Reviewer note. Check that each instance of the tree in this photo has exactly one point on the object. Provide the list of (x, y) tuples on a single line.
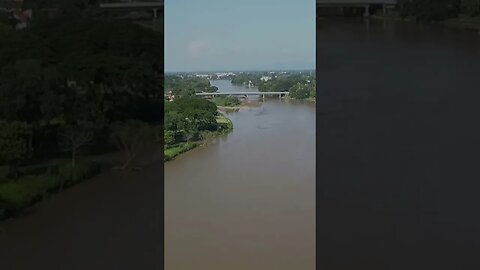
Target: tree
[(15, 144), (132, 137), (72, 137), (79, 120), (169, 137), (300, 91), (470, 7), (313, 88)]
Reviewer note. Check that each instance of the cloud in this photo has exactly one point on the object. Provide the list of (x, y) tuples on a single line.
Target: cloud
[(199, 48)]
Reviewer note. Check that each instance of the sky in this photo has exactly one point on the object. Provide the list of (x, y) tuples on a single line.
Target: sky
[(235, 35)]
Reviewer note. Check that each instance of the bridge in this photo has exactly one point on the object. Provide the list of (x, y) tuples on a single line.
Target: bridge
[(244, 94), (154, 5), (365, 4)]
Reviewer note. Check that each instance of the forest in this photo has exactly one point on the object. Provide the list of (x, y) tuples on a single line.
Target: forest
[(72, 88)]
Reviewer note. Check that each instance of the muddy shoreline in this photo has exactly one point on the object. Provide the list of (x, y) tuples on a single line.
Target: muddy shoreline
[(112, 221)]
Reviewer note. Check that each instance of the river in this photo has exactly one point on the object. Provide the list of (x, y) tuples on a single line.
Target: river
[(247, 200), (398, 178)]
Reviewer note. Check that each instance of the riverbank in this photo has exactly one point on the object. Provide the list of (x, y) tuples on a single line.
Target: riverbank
[(116, 210), (40, 181), (309, 99), (226, 126)]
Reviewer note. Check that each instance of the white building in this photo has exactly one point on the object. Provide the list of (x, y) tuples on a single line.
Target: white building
[(265, 78)]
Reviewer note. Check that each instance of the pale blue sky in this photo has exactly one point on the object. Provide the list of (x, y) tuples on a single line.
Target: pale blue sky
[(204, 35)]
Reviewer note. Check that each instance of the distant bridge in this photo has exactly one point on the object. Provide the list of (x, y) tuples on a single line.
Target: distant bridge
[(244, 94), (386, 4)]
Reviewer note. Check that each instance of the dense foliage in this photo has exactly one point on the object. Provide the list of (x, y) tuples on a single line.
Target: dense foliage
[(226, 101), (470, 7), (187, 86), (245, 78), (436, 10), (187, 118), (75, 76)]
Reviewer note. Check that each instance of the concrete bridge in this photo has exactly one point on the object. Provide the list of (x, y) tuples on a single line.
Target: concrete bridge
[(244, 94), (132, 5), (365, 4)]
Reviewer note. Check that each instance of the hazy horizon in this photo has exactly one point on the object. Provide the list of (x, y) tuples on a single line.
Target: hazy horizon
[(242, 70), (260, 35)]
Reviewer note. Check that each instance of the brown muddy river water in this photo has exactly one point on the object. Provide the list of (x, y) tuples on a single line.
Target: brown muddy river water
[(247, 200)]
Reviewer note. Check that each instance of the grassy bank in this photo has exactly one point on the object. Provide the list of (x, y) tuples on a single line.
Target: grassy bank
[(16, 195), (173, 151)]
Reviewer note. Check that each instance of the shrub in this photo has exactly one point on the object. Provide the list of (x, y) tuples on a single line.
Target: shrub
[(14, 144), (169, 137)]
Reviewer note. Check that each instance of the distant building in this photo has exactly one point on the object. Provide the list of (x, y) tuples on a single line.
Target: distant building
[(170, 96), (265, 78), (224, 74)]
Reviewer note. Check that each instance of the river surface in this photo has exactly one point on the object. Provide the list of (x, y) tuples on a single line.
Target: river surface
[(247, 200), (398, 146)]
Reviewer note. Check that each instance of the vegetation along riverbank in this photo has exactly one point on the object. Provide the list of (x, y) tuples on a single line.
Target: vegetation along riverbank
[(458, 14), (75, 87), (191, 121)]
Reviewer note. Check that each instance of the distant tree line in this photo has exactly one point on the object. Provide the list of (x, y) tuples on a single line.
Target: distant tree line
[(436, 10), (245, 78), (187, 86), (300, 85)]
